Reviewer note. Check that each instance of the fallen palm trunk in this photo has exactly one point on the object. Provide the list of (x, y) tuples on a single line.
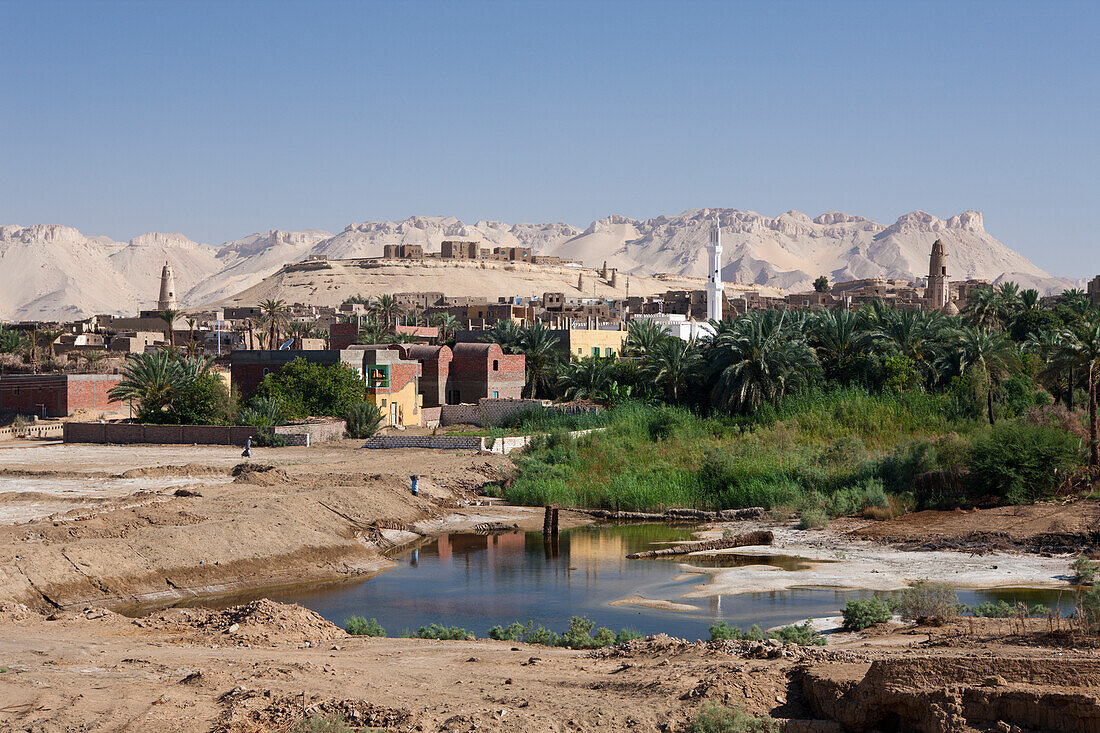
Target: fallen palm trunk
[(762, 537), (677, 515)]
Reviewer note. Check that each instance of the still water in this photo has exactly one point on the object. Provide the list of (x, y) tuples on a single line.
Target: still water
[(477, 581)]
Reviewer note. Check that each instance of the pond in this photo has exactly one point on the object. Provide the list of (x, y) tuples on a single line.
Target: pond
[(476, 581)]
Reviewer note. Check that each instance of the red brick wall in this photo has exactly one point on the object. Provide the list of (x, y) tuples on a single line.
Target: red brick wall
[(57, 395), (343, 335)]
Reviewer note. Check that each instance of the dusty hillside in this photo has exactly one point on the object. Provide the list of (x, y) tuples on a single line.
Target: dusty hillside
[(339, 280), (57, 272)]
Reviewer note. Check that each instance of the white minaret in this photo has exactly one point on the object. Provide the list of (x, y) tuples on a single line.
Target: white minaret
[(714, 286)]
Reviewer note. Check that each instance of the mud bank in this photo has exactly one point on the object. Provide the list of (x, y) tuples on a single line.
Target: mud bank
[(316, 515)]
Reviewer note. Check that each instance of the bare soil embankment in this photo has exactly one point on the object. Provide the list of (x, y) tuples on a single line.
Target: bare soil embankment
[(317, 514), (1051, 527), (266, 666)]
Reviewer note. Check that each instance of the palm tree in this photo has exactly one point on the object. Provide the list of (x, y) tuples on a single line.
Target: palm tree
[(1076, 300), (298, 330), (585, 378), (448, 325), (372, 331), (274, 313), (170, 316), (840, 339), (151, 380), (759, 361), (11, 341), (92, 359), (673, 364), (983, 307), (642, 335), (992, 353), (914, 335), (540, 350), (386, 308), (49, 338), (1029, 300), (1082, 351), (508, 334)]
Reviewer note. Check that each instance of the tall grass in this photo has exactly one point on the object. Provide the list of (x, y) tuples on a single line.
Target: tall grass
[(824, 450)]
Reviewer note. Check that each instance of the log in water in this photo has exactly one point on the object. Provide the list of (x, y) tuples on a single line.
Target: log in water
[(763, 537)]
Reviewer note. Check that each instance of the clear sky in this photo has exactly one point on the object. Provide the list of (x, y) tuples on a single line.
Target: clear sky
[(223, 118)]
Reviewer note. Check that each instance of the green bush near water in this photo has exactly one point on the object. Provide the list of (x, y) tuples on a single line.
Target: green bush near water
[(579, 635), (359, 626), (802, 634), (833, 453), (861, 613)]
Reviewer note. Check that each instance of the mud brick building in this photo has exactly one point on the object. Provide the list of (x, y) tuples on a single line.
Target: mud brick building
[(57, 395), (468, 373), (342, 335), (1094, 290)]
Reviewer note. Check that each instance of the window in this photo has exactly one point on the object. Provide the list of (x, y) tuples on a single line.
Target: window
[(496, 394), (496, 365), (383, 403), (607, 351), (378, 376), (595, 351)]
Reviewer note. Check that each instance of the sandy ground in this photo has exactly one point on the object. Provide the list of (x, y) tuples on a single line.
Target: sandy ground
[(300, 515), (266, 667), (317, 514)]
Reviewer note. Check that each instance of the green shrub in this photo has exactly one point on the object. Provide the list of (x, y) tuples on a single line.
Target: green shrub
[(1084, 571), (859, 613), (1087, 614), (715, 718), (1020, 462), (812, 518), (262, 412), (722, 631), (359, 626), (627, 634), (364, 420), (270, 439), (928, 603), (312, 390), (315, 723), (443, 633), (1003, 609), (803, 634)]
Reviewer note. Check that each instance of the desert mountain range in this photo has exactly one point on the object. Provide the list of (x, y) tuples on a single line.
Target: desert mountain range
[(56, 272)]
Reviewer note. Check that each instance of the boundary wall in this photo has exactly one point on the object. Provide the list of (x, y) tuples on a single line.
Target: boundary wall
[(121, 433), (500, 446)]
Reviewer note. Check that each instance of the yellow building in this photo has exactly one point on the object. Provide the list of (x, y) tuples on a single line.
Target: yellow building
[(592, 342), (392, 383)]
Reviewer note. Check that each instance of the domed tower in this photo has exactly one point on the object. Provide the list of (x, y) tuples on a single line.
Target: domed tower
[(167, 299), (938, 291)]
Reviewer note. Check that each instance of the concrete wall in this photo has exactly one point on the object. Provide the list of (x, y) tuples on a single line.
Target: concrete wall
[(49, 430), (458, 442), (120, 433)]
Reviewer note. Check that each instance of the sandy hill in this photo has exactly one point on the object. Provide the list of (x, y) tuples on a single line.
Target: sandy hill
[(52, 271), (330, 283)]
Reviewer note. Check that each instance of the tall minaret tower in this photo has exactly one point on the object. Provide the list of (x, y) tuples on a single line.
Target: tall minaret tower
[(938, 293), (167, 299), (715, 296)]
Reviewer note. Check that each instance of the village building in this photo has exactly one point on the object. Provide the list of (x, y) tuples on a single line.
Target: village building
[(1094, 290), (57, 395)]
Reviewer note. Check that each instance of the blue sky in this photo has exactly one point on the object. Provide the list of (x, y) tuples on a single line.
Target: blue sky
[(222, 118)]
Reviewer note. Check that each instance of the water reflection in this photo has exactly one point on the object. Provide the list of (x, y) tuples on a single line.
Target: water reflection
[(476, 581)]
